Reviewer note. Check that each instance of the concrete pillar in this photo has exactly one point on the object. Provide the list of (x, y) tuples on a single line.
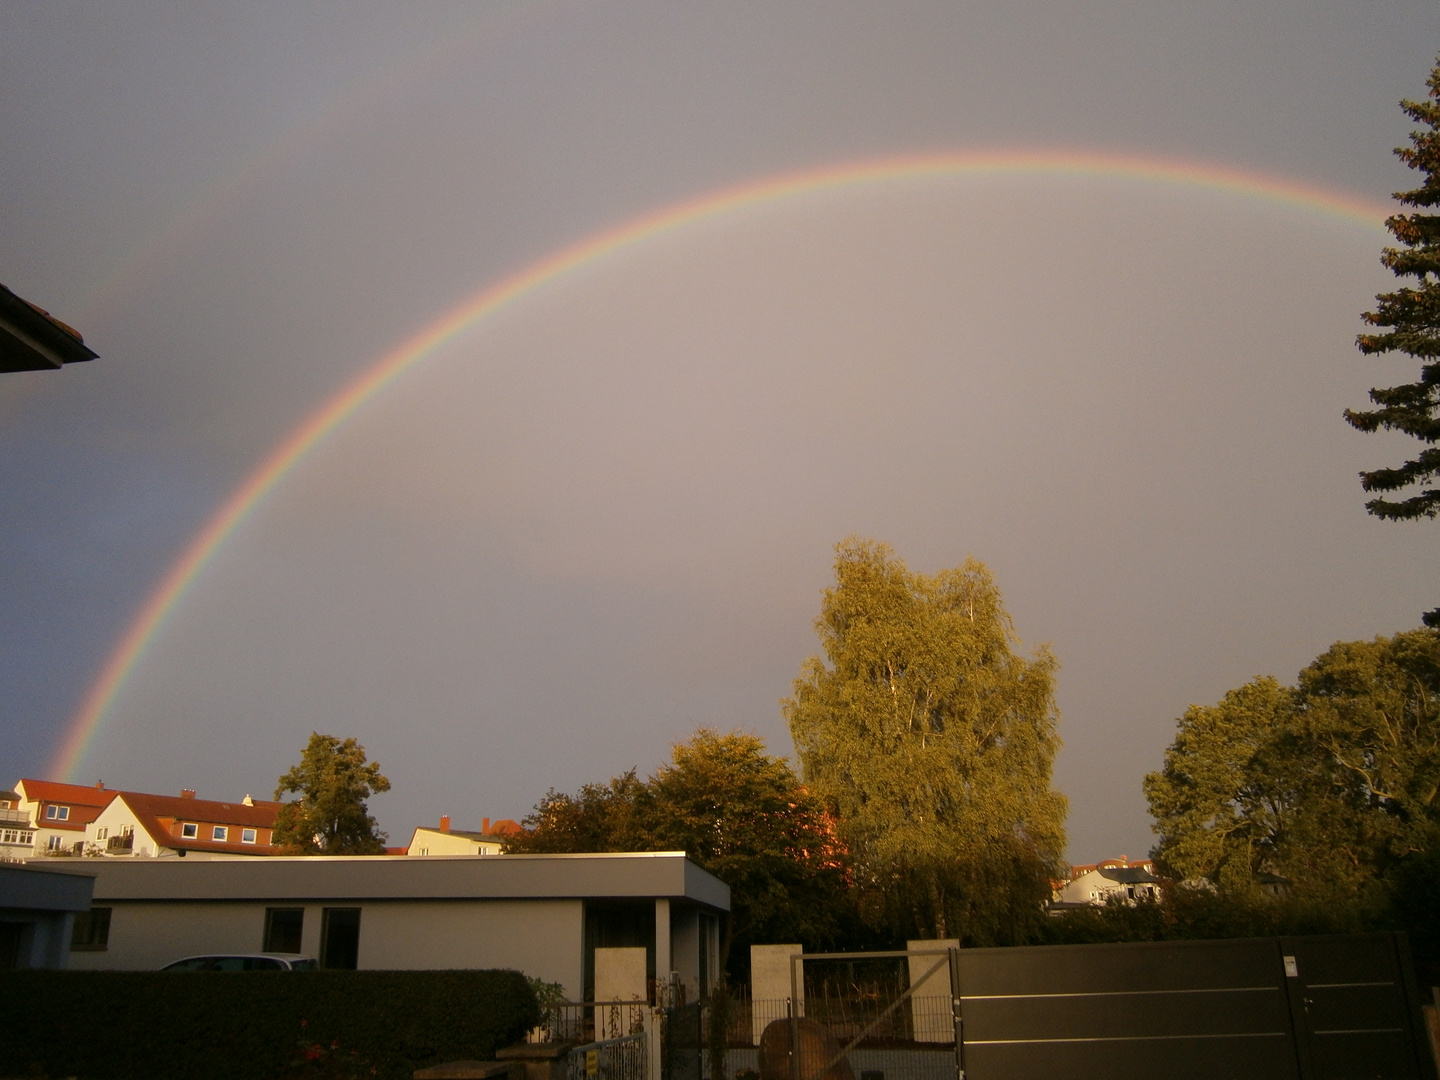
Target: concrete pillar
[(930, 1004), (770, 985), (663, 959)]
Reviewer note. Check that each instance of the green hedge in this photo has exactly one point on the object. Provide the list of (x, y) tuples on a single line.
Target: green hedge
[(157, 1025)]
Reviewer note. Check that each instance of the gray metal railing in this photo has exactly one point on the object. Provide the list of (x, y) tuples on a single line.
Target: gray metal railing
[(590, 1021), (609, 1059)]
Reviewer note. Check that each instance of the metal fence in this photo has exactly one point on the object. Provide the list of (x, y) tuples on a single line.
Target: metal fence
[(590, 1021), (609, 1059)]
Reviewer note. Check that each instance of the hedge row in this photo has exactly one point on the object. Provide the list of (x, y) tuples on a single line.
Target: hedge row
[(261, 1025)]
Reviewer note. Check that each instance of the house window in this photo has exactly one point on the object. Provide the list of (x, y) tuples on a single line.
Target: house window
[(101, 834), (92, 931), (58, 813), (284, 927), (247, 836), (54, 843), (340, 938), (189, 830), (219, 832)]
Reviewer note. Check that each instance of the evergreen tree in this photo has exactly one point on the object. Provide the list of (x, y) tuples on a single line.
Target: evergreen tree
[(932, 742), (330, 818), (1408, 321)]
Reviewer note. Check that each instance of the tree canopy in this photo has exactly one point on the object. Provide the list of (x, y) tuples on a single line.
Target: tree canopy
[(1408, 321), (731, 807), (932, 742), (333, 779), (1330, 784)]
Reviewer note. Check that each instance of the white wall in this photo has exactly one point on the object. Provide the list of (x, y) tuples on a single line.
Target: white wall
[(542, 938)]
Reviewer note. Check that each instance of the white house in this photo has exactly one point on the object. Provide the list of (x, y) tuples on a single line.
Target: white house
[(544, 915), (489, 840), (59, 813), (134, 824), (17, 831), (1127, 884)]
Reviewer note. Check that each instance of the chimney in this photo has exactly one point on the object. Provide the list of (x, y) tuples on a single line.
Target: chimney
[(247, 801), (187, 793), (99, 785), (485, 825), (444, 822)]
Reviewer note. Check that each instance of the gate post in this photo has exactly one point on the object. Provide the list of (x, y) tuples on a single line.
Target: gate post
[(955, 1013), (653, 1018)]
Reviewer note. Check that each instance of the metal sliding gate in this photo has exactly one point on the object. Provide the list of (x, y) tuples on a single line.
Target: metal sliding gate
[(1321, 1008)]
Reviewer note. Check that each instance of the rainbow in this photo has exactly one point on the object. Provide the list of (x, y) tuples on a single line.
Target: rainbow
[(491, 298)]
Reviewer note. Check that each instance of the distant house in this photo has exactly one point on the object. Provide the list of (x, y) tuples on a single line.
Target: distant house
[(17, 834), (162, 826), (31, 339), (444, 840), (1108, 884), (59, 813)]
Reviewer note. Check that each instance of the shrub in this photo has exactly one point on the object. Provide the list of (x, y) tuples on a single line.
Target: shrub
[(119, 1025)]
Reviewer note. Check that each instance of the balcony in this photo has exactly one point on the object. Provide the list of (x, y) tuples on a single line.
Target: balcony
[(14, 817), (120, 845)]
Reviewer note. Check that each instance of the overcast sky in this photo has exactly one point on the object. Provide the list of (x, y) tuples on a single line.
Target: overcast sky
[(605, 517)]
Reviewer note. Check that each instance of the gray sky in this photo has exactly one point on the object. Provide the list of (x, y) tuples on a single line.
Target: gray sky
[(605, 516)]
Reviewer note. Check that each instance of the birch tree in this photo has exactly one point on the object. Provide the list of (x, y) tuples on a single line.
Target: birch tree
[(932, 741)]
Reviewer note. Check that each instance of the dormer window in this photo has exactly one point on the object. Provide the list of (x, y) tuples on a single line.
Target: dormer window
[(219, 832), (57, 813), (189, 830), (247, 836)]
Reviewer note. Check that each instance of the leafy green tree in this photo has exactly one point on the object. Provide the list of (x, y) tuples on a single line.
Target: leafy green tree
[(1372, 710), (333, 779), (1241, 795), (1330, 784), (745, 817), (1408, 321), (738, 812), (932, 743), (599, 817)]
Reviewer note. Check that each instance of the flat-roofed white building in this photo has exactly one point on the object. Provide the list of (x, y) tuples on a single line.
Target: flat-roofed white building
[(543, 915)]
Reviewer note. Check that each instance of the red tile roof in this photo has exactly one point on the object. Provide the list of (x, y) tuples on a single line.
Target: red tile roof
[(70, 794), (162, 815)]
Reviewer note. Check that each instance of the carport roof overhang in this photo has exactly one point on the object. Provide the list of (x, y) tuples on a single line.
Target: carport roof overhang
[(619, 876)]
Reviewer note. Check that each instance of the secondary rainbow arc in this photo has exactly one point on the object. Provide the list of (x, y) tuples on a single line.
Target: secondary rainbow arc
[(202, 547)]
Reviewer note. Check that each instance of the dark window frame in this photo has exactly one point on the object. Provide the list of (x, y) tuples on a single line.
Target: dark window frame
[(272, 941), (336, 952), (91, 931)]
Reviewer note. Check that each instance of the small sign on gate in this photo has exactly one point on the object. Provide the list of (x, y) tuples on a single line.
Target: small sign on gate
[(592, 1062)]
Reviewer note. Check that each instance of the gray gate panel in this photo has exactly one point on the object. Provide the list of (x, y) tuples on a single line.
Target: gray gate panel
[(1179, 965), (1260, 1011), (1352, 1009), (1257, 1058)]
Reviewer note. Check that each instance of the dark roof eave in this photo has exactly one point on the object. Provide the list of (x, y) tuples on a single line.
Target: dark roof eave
[(31, 339)]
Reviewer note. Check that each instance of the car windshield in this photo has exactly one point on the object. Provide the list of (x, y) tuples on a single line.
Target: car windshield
[(304, 965)]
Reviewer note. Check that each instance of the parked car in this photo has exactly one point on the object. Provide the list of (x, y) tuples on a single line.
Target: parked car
[(245, 962)]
